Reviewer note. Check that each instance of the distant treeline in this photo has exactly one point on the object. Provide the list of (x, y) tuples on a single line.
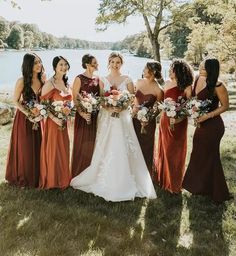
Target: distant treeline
[(17, 35)]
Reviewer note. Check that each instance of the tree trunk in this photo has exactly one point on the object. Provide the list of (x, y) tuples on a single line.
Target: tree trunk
[(156, 49)]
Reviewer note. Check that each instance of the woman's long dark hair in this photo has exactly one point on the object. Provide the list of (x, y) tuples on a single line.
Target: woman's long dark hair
[(183, 73), (27, 72), (212, 67), (54, 64)]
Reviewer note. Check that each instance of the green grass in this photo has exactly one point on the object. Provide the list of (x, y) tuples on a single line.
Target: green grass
[(70, 222)]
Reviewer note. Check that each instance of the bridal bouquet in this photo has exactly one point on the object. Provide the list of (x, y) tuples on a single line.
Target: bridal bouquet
[(117, 99), (36, 112), (196, 108), (144, 115), (88, 103), (62, 110), (173, 109)]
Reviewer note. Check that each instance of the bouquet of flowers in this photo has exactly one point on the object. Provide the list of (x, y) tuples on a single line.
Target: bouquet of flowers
[(62, 110), (117, 99), (144, 115), (173, 109), (88, 103), (196, 108), (36, 112)]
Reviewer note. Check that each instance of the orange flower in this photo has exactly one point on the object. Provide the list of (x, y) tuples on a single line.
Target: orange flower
[(66, 111), (35, 111)]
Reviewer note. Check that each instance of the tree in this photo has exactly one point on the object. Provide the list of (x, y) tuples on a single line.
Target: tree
[(28, 39), (157, 16), (16, 37), (4, 29)]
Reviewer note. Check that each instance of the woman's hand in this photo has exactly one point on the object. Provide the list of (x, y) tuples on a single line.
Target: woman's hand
[(202, 118), (176, 120), (86, 116), (116, 110)]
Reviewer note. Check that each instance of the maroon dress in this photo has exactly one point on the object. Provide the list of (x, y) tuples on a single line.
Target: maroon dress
[(204, 175), (84, 134), (172, 148), (146, 141), (23, 160)]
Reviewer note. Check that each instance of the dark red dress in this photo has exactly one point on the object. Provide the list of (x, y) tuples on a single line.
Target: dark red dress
[(172, 148), (204, 175), (23, 162), (84, 134), (146, 141)]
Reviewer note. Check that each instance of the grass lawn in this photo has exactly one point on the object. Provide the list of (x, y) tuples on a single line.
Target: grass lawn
[(71, 222)]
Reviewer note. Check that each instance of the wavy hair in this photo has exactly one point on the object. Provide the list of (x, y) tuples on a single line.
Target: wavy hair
[(27, 73), (183, 73)]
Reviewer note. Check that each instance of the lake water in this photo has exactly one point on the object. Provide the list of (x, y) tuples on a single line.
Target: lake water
[(10, 64)]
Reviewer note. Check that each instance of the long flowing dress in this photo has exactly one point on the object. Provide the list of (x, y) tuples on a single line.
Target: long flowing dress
[(84, 134), (204, 174), (118, 171), (172, 148), (23, 162), (146, 141), (55, 151)]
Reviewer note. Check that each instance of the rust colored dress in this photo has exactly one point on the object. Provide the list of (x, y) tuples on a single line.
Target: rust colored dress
[(23, 162), (55, 150), (84, 134), (172, 148), (204, 175), (146, 141)]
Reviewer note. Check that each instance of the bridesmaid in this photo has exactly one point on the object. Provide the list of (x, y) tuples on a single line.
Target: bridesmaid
[(84, 134), (22, 167), (172, 144), (54, 169), (204, 175), (148, 91)]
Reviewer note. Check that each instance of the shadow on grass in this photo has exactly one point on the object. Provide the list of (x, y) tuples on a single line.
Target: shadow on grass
[(163, 220), (70, 222), (206, 221)]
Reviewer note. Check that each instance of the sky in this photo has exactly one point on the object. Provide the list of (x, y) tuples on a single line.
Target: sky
[(71, 18)]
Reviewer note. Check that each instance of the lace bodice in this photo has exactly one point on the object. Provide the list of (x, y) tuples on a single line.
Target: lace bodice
[(120, 87)]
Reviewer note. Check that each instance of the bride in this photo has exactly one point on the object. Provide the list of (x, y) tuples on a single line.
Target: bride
[(118, 171)]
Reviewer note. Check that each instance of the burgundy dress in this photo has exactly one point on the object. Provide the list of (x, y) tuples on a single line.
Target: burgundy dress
[(84, 134), (23, 160), (170, 157), (204, 175), (146, 141)]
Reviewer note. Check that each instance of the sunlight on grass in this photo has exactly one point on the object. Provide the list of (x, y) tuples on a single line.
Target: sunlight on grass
[(186, 236), (23, 221)]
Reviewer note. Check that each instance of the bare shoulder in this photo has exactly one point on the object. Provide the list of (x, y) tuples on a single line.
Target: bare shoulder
[(47, 87), (20, 83), (168, 84)]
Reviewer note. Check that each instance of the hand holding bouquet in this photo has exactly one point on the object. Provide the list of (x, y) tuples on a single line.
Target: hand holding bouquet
[(61, 110), (196, 108), (117, 100), (144, 115), (88, 103), (173, 109), (36, 112)]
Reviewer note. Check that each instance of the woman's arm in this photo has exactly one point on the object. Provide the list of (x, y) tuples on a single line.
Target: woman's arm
[(17, 96), (223, 97)]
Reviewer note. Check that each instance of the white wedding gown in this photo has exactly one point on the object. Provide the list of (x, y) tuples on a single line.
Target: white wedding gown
[(118, 171)]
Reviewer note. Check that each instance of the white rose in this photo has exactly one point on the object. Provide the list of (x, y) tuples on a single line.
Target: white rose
[(60, 116), (58, 108), (43, 112), (171, 113), (39, 106)]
